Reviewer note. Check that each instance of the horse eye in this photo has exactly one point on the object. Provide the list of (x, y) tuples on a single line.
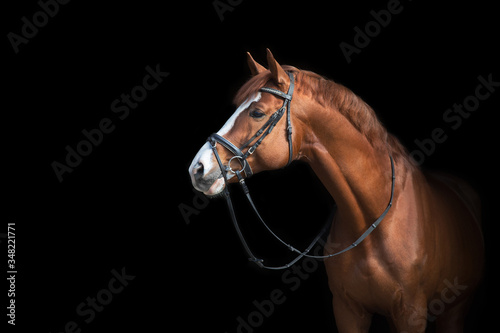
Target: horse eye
[(257, 114)]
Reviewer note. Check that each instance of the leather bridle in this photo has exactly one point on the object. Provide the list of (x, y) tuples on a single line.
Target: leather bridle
[(260, 135)]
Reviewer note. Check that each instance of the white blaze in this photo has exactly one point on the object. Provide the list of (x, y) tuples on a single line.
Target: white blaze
[(230, 122), (205, 154)]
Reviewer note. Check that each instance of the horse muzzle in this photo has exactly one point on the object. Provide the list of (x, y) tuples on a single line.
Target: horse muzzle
[(205, 173)]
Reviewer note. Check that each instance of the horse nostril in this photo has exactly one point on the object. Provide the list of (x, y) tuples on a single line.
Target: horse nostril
[(198, 170)]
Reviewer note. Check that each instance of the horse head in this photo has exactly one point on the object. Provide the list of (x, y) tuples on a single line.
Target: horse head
[(263, 101)]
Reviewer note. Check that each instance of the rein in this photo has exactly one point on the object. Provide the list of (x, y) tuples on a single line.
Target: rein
[(245, 167)]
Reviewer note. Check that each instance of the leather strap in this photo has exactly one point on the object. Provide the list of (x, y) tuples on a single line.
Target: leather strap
[(320, 234), (261, 134), (286, 105), (214, 138), (277, 92), (371, 227), (237, 152)]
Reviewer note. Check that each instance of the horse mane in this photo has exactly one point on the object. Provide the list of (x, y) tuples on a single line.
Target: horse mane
[(329, 93)]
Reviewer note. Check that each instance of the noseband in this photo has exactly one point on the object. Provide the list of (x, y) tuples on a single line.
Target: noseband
[(260, 135)]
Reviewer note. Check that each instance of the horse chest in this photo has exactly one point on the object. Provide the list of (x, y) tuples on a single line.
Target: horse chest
[(366, 282)]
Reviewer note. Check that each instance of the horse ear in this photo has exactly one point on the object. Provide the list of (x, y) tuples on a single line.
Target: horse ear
[(255, 67), (278, 73)]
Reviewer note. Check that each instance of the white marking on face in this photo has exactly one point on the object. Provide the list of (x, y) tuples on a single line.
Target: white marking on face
[(230, 122), (205, 154)]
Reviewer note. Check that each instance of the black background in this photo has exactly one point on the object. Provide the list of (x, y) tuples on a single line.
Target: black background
[(120, 207)]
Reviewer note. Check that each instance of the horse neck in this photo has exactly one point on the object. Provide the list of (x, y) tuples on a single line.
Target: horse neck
[(355, 171)]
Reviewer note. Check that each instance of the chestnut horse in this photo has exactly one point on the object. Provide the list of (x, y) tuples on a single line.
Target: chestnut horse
[(424, 260)]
